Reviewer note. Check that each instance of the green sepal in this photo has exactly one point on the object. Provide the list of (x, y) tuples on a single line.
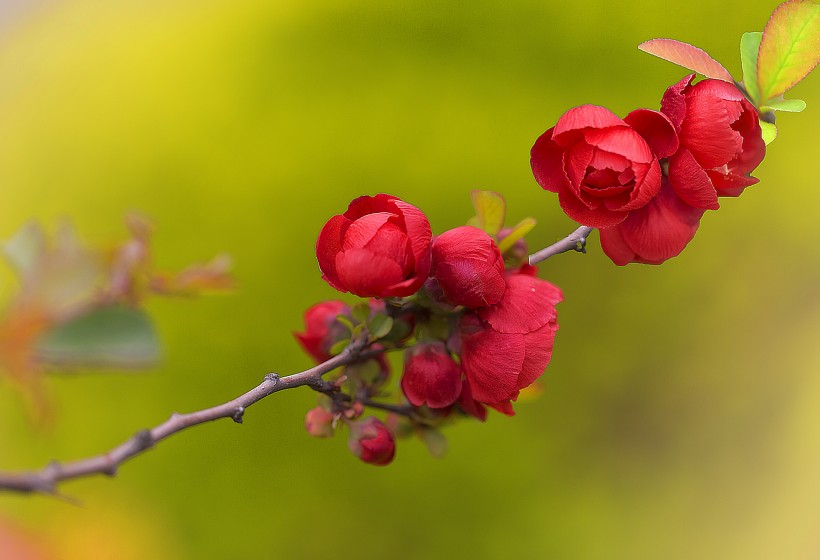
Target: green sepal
[(769, 131), (490, 209), (380, 326), (786, 105)]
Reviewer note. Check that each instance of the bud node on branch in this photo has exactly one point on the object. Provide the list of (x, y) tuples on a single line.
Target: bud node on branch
[(238, 414)]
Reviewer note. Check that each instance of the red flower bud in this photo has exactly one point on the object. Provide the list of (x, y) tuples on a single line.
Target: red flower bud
[(468, 267), (319, 422), (371, 441), (431, 376), (380, 247), (601, 166), (322, 330)]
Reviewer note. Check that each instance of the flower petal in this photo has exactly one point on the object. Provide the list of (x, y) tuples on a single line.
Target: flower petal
[(547, 162), (578, 118), (691, 182), (328, 246), (528, 304), (656, 128)]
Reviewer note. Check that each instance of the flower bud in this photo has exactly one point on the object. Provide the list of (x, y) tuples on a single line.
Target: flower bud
[(468, 267), (322, 330), (319, 422), (431, 377), (371, 441)]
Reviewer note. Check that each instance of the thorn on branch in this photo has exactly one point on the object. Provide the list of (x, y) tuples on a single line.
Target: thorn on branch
[(238, 414)]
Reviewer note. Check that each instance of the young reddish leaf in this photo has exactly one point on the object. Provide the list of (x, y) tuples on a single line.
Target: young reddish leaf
[(787, 105), (490, 210), (749, 47), (790, 47), (688, 56), (769, 131)]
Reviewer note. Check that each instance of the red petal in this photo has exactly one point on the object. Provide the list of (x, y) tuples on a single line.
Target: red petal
[(367, 274), (623, 141), (503, 407), (613, 244), (646, 187), (492, 361), (538, 347), (363, 229), (707, 130), (730, 184), (691, 182), (328, 246), (656, 129), (469, 405), (579, 118), (528, 304), (420, 235), (576, 161), (673, 104), (661, 229), (369, 205), (594, 217), (547, 162)]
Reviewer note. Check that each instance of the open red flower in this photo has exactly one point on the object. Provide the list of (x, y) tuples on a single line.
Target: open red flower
[(468, 267), (371, 441), (601, 166), (506, 347), (380, 247), (720, 140), (431, 377)]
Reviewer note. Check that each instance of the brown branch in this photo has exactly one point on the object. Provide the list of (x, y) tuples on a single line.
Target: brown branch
[(46, 479), (575, 241)]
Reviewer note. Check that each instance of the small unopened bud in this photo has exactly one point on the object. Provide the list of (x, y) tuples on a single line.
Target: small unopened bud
[(319, 422), (431, 376), (371, 441)]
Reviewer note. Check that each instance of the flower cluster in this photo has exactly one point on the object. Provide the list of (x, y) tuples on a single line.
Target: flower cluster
[(646, 180), (475, 325)]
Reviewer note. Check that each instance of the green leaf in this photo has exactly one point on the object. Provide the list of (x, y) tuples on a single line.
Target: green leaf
[(769, 132), (360, 312), (435, 441), (688, 56), (340, 345), (787, 105), (345, 320), (110, 337), (749, 47), (520, 230), (790, 47), (380, 326), (490, 209)]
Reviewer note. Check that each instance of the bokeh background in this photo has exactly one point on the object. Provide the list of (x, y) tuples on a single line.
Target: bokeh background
[(680, 413)]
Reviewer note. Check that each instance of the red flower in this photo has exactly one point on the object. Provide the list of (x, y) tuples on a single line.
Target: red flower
[(371, 441), (468, 267), (322, 330), (657, 232), (431, 376), (380, 247), (720, 137), (601, 166), (505, 347)]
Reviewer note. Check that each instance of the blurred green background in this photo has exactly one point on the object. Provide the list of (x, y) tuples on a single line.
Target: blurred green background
[(681, 410)]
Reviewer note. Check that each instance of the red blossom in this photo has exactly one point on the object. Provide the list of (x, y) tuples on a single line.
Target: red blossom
[(721, 140), (371, 441), (601, 166), (468, 267), (380, 247), (506, 347), (431, 377)]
